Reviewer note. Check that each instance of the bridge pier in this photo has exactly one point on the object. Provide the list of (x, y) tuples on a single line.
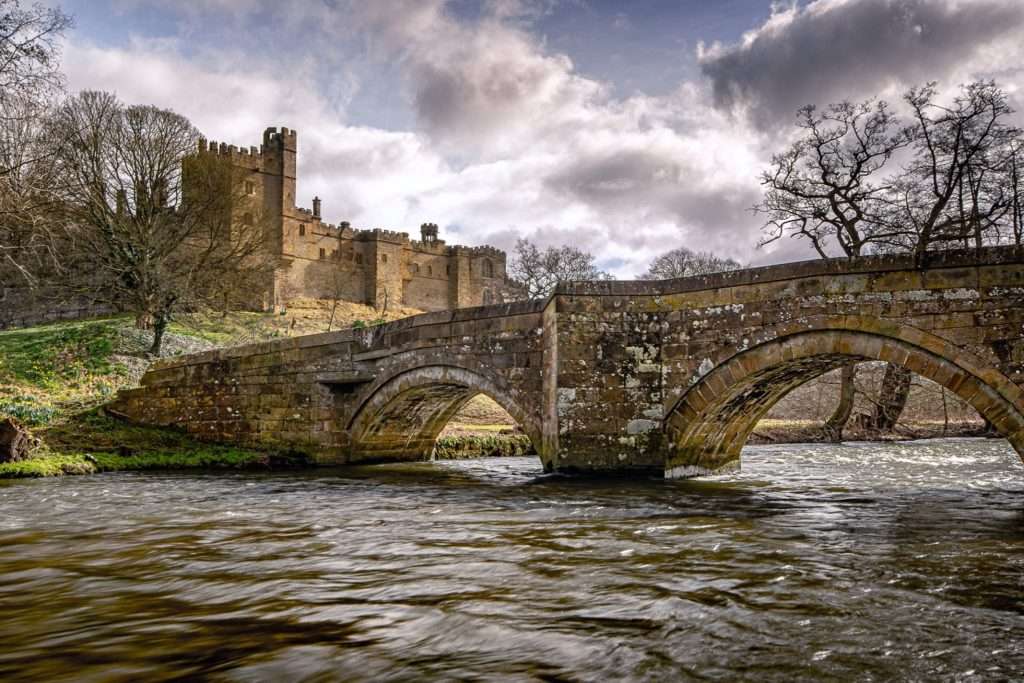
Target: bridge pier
[(606, 398)]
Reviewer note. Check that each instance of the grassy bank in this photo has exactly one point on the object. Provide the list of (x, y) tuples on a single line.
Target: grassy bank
[(93, 442), (466, 446), (54, 378), (50, 372)]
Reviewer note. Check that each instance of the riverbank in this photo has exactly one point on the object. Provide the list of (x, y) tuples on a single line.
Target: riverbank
[(93, 442), (55, 378), (773, 431)]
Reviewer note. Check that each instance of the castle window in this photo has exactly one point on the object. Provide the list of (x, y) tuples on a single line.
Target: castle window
[(247, 219), (488, 268), (415, 268), (302, 229), (447, 270), (359, 259), (384, 258), (323, 253), (250, 187), (430, 270)]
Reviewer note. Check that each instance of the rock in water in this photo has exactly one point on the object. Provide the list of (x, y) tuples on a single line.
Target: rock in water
[(15, 441)]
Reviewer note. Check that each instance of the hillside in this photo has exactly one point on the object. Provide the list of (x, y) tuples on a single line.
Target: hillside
[(54, 378), (54, 370)]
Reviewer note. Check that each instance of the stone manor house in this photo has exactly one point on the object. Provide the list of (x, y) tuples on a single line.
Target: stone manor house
[(316, 259)]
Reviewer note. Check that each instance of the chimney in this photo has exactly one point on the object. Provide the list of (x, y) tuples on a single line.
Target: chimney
[(316, 207)]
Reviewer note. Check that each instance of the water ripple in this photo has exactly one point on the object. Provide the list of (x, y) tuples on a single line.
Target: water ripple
[(860, 561)]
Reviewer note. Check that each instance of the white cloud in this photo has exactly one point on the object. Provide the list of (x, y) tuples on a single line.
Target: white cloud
[(511, 141)]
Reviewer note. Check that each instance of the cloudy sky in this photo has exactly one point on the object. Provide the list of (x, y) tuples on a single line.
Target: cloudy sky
[(626, 128)]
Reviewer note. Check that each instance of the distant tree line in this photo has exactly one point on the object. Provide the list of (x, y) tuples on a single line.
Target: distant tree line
[(94, 203), (539, 270)]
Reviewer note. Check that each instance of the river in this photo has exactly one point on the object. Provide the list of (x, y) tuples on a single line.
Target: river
[(852, 562)]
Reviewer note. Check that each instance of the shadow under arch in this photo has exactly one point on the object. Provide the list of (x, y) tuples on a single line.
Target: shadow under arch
[(403, 416), (710, 423)]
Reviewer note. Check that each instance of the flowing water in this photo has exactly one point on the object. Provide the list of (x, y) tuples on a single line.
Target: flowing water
[(853, 562)]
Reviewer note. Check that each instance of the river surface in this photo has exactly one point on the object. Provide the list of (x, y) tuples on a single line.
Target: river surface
[(853, 562)]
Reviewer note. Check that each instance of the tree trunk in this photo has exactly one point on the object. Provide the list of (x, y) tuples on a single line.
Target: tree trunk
[(15, 441), (159, 327), (334, 309), (836, 422), (945, 411), (892, 398)]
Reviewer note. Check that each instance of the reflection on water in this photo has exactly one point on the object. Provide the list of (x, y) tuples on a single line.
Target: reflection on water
[(866, 562)]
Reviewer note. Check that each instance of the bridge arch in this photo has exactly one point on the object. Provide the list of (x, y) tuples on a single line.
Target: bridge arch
[(403, 414), (710, 423)]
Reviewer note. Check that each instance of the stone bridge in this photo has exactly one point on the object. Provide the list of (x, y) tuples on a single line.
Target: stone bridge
[(669, 376)]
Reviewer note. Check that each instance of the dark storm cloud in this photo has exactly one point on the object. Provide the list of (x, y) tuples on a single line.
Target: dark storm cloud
[(634, 188), (851, 49)]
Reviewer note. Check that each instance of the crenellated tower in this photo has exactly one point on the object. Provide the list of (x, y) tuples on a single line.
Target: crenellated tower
[(316, 259)]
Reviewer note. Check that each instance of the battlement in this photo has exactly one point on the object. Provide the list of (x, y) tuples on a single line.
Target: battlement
[(286, 138), (479, 252), (224, 149), (434, 246), (272, 140), (380, 234)]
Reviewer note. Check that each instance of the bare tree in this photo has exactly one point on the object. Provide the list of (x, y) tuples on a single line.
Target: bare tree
[(954, 191), (683, 262), (153, 226), (29, 198), (30, 47), (29, 78), (1014, 173), (828, 186), (539, 271), (960, 187)]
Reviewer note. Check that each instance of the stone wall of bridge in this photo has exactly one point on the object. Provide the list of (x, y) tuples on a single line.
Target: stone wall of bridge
[(381, 393), (690, 365), (603, 376)]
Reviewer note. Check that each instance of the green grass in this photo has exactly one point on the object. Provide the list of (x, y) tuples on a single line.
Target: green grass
[(57, 464), (93, 442), (482, 446), (223, 330), (50, 370), (52, 356)]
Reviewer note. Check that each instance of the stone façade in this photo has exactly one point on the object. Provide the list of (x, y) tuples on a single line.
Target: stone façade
[(615, 376), (316, 259)]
